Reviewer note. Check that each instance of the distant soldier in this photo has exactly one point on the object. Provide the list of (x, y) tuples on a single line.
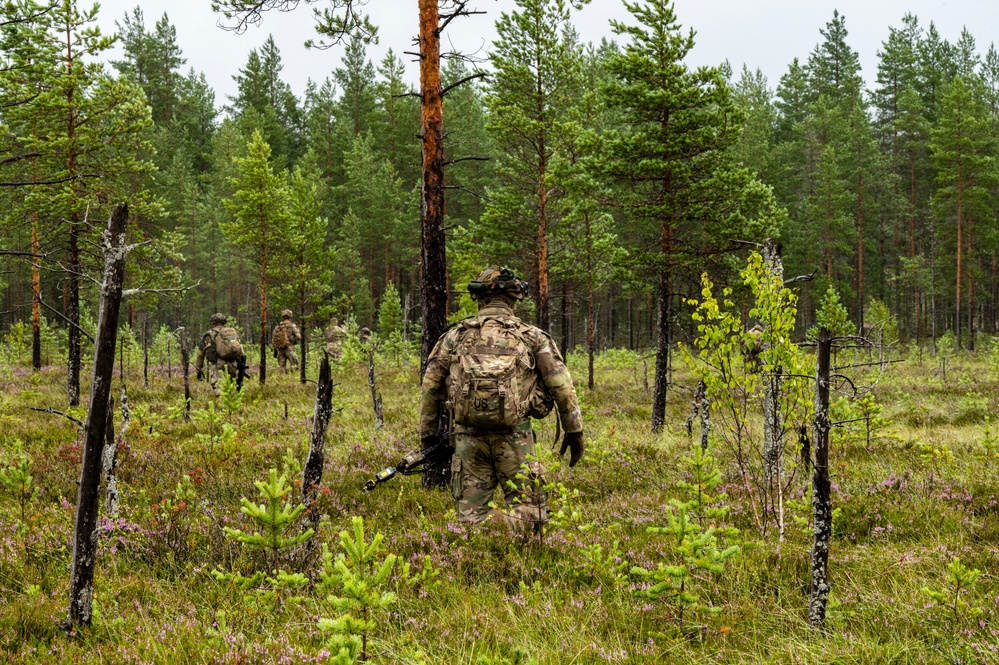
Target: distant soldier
[(284, 337), (494, 373), (334, 336), (220, 346), (364, 334)]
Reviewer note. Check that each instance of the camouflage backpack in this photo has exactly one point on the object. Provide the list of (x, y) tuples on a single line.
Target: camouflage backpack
[(225, 342), (492, 376), (279, 338)]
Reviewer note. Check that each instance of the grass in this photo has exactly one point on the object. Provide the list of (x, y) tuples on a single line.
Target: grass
[(905, 512)]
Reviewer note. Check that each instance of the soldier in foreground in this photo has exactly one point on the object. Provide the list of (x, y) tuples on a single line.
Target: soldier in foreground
[(493, 373), (334, 336), (284, 337), (220, 346)]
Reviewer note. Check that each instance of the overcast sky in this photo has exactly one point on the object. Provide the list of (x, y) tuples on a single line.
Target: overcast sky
[(760, 33)]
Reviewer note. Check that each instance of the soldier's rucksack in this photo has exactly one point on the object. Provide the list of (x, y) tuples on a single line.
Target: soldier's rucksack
[(492, 376), (225, 341), (279, 338)]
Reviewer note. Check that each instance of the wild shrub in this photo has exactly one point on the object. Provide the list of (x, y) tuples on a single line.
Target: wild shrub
[(950, 600)]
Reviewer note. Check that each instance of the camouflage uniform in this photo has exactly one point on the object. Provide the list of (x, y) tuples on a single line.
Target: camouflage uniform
[(334, 337), (484, 459), (287, 354), (218, 364)]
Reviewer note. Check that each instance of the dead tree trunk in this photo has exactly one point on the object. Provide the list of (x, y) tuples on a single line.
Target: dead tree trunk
[(81, 584), (185, 362), (700, 407), (821, 501), (376, 399), (145, 351), (109, 456), (313, 473), (773, 445)]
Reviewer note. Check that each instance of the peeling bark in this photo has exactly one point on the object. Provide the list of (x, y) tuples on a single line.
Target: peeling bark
[(84, 544), (773, 444), (821, 500), (109, 456)]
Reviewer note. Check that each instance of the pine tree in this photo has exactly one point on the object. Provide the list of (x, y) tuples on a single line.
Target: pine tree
[(91, 131), (675, 159), (964, 158), (537, 72), (260, 207)]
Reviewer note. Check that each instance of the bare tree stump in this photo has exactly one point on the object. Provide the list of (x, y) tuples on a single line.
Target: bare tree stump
[(821, 501), (376, 398), (312, 475), (185, 363), (81, 583)]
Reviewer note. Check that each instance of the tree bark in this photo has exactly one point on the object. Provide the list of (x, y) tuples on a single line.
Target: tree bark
[(821, 501), (376, 399), (663, 350), (36, 296), (81, 585), (263, 303), (185, 361), (313, 472), (433, 291), (773, 445)]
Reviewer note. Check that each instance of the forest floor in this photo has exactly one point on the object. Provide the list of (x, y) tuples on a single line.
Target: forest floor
[(921, 493)]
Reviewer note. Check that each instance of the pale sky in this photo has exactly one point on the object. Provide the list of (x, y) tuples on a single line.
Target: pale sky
[(760, 33)]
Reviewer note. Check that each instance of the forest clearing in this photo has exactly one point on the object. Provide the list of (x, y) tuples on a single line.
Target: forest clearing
[(918, 496), (548, 350)]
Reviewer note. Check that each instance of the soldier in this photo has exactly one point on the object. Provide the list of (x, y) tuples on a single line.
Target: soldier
[(364, 334), (284, 337), (221, 347), (334, 336), (494, 373)]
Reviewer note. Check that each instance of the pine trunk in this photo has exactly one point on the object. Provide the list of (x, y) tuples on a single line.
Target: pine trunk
[(433, 292), (36, 296), (664, 345)]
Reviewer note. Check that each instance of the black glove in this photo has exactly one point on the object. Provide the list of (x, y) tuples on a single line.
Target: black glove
[(275, 353), (574, 442), (201, 375)]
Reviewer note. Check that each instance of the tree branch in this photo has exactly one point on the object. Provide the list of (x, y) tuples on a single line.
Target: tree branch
[(468, 78), (59, 413)]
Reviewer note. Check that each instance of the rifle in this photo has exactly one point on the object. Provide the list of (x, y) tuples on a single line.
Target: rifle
[(434, 455), (241, 372)]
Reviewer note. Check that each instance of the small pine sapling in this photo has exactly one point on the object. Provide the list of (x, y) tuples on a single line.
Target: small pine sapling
[(230, 396), (960, 580), (278, 525), (218, 437), (18, 481), (698, 545), (357, 581)]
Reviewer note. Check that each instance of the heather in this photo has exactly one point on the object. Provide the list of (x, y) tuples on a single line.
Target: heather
[(912, 496)]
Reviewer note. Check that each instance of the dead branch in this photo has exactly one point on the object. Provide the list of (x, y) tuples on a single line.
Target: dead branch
[(58, 413)]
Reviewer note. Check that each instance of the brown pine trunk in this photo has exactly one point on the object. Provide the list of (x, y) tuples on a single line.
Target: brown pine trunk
[(664, 344), (73, 304), (590, 323), (860, 253), (81, 586), (263, 303), (960, 224), (36, 296), (433, 275)]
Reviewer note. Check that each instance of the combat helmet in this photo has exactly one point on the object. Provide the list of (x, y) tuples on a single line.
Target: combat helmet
[(285, 313), (218, 319), (497, 281)]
